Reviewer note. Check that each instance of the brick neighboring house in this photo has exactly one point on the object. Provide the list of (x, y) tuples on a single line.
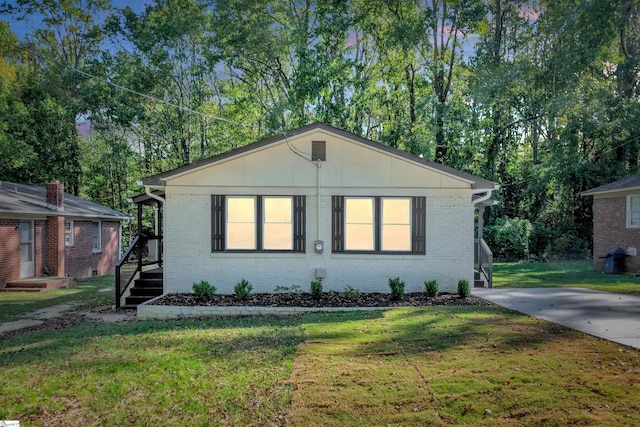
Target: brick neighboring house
[(616, 220), (44, 231)]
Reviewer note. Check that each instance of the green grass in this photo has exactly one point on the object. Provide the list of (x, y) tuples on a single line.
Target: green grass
[(234, 372), (565, 274), (458, 365), (15, 305), (412, 367)]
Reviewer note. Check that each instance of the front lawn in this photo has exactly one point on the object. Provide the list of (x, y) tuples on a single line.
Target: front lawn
[(563, 274), (98, 291), (427, 366)]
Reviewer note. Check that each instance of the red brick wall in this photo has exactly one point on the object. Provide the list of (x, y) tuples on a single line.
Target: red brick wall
[(81, 261), (10, 249), (55, 245), (610, 231)]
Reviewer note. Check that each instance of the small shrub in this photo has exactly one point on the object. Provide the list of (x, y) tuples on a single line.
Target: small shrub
[(316, 289), (463, 288), (243, 289), (349, 292), (204, 290), (431, 288), (397, 288)]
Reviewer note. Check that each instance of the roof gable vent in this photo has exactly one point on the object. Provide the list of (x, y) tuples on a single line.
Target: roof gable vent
[(319, 150)]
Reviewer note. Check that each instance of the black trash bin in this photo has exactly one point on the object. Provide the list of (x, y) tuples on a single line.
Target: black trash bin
[(614, 262)]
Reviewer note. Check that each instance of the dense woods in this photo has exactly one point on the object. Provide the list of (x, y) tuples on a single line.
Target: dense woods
[(540, 96)]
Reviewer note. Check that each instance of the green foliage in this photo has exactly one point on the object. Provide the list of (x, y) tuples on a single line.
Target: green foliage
[(204, 290), (397, 288), (349, 292), (463, 288), (509, 238), (431, 288), (316, 289), (243, 289)]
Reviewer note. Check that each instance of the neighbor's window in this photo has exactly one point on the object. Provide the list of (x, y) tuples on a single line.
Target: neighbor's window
[(68, 233), (278, 223), (241, 223), (633, 211), (96, 236), (396, 224), (358, 225)]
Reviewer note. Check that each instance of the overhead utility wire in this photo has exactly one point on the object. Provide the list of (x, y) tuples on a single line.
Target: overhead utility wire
[(181, 107)]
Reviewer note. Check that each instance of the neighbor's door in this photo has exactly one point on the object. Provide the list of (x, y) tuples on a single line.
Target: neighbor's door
[(26, 249)]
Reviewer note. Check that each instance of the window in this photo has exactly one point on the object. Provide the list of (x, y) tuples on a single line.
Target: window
[(257, 223), (96, 236), (241, 223), (278, 223), (68, 233), (633, 211), (396, 224), (379, 224), (358, 225)]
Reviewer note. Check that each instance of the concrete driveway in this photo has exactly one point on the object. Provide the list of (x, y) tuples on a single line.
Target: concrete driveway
[(615, 317)]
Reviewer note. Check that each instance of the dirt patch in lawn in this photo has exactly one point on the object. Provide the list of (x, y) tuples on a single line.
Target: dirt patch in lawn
[(328, 299)]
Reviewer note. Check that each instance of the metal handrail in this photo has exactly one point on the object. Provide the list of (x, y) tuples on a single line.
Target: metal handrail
[(124, 275), (484, 260)]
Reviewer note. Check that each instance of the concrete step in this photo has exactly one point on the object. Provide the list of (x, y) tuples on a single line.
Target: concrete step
[(21, 289), (39, 285)]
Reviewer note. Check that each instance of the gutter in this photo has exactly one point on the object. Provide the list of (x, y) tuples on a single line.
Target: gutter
[(484, 197)]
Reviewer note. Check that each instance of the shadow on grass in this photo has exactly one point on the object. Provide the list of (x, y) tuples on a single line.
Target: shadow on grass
[(348, 333)]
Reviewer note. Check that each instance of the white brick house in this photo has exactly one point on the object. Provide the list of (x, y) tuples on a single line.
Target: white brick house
[(257, 212)]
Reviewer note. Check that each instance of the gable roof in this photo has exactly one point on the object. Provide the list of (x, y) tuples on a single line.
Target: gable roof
[(476, 181), (631, 182), (22, 199)]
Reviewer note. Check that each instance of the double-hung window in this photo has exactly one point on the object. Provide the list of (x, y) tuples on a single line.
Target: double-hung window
[(96, 236), (68, 233), (633, 211), (257, 223), (378, 224)]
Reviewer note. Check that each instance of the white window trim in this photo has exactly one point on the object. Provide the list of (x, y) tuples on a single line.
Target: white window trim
[(226, 219), (72, 234), (264, 222), (382, 199), (628, 218), (93, 249)]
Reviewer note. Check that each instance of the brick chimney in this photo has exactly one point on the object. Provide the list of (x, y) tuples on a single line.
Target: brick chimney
[(54, 198), (55, 195)]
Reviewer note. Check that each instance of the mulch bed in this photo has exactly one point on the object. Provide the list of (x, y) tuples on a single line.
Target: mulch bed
[(329, 299)]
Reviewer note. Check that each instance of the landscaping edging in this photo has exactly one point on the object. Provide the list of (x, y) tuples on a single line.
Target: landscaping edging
[(146, 311)]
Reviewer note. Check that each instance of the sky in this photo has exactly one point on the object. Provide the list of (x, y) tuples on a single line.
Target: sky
[(21, 28)]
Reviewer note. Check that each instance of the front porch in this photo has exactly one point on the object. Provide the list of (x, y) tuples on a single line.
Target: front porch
[(141, 264)]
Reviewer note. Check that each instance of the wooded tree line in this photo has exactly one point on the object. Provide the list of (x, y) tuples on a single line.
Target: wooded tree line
[(540, 96)]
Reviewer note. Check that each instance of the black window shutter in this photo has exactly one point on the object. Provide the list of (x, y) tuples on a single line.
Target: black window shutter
[(217, 223), (419, 224), (337, 223), (299, 223)]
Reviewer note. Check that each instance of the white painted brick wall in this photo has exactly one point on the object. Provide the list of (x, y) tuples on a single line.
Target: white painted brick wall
[(188, 256)]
